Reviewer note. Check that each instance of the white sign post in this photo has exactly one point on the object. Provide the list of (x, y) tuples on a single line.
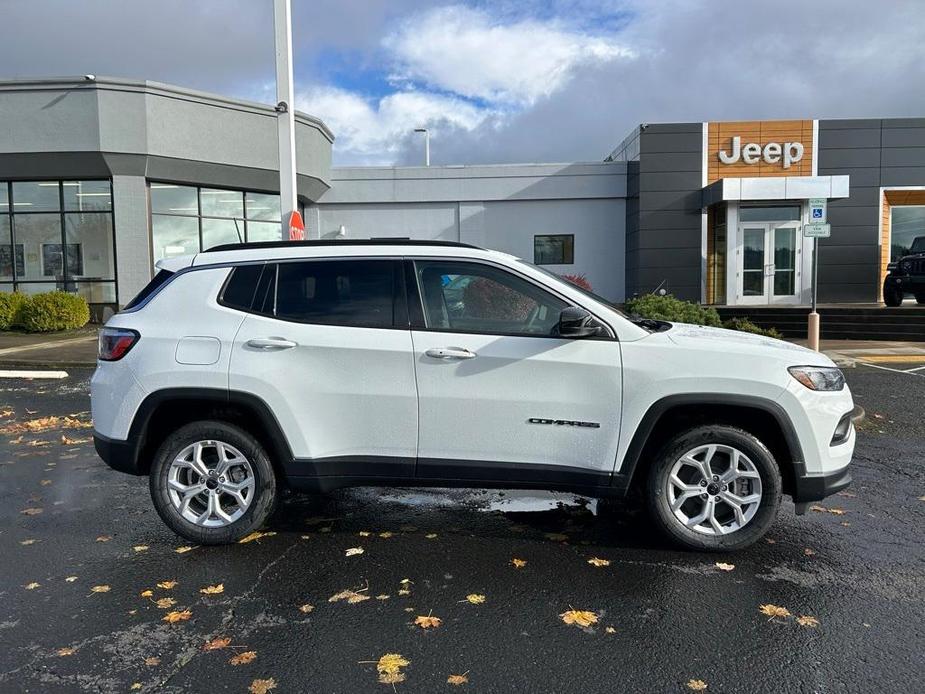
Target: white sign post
[(285, 115), (817, 229)]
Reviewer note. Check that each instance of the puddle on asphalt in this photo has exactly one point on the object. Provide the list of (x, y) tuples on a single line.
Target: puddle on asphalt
[(487, 500)]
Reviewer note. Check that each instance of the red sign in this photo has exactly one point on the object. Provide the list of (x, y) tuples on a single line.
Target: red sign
[(296, 226)]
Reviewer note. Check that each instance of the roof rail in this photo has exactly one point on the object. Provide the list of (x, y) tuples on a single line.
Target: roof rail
[(392, 241)]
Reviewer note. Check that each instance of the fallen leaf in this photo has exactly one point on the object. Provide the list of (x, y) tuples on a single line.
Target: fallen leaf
[(99, 589), (427, 621), (184, 549), (353, 551), (65, 651), (837, 512), (386, 535), (823, 509), (135, 686), (580, 618), (722, 566), (26, 543), (256, 535), (610, 630), (922, 498), (773, 611), (770, 541), (152, 661), (350, 596), (140, 548), (243, 658), (44, 483), (262, 686), (475, 598), (103, 538), (67, 441), (164, 603), (213, 590), (71, 579), (217, 644), (306, 608), (32, 586), (364, 533), (167, 585), (390, 668), (594, 561), (31, 511), (806, 621), (519, 563), (556, 537), (809, 552), (431, 536), (382, 597), (458, 679), (177, 616), (696, 685), (147, 593)]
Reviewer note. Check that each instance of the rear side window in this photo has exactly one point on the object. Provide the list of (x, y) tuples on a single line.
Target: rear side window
[(241, 287), (156, 283), (356, 293)]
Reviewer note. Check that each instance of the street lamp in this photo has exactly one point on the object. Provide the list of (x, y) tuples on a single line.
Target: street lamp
[(426, 144)]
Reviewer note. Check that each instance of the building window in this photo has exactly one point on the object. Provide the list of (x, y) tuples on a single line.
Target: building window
[(558, 249), (906, 223), (187, 219), (58, 235)]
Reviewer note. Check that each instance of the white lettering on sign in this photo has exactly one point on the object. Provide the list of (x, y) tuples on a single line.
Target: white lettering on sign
[(789, 153)]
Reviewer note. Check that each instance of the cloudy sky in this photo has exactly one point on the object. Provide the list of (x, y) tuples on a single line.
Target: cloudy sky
[(495, 82)]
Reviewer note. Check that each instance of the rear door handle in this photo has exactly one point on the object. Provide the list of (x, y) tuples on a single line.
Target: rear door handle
[(450, 353), (271, 343)]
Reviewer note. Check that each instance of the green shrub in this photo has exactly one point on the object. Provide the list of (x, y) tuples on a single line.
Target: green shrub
[(746, 326), (57, 310), (671, 309), (11, 307)]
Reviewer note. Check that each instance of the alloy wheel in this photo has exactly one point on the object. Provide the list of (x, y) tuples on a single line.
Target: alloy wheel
[(714, 489), (210, 483)]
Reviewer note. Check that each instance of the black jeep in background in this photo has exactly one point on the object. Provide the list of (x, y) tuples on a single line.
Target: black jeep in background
[(906, 276)]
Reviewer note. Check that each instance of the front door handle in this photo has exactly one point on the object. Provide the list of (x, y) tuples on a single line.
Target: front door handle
[(450, 353), (271, 343)]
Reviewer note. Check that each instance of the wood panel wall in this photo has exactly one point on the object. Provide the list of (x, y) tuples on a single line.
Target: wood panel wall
[(719, 137)]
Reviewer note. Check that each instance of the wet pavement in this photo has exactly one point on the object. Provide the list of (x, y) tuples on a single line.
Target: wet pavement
[(73, 616)]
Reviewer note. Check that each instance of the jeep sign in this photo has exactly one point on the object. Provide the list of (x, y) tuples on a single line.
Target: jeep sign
[(788, 153)]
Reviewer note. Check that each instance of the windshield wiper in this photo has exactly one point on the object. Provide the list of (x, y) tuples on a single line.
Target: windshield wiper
[(656, 326)]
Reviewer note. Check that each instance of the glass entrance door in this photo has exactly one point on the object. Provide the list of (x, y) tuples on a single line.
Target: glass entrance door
[(769, 263)]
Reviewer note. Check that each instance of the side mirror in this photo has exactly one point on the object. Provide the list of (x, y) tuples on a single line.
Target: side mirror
[(575, 322)]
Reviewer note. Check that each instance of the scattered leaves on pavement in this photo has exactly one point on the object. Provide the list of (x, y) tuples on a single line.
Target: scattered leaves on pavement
[(65, 651), (518, 563), (99, 589), (32, 586), (184, 549), (26, 543), (31, 511), (71, 579), (152, 661), (140, 548), (427, 621), (262, 686), (475, 598), (457, 680), (146, 593), (595, 561), (256, 535), (103, 538), (580, 618), (243, 658), (610, 630), (773, 611), (823, 509), (164, 603), (177, 616), (806, 621), (722, 566), (353, 551), (431, 536), (167, 585), (213, 590), (696, 685), (386, 535), (390, 667), (217, 643), (809, 552), (351, 596)]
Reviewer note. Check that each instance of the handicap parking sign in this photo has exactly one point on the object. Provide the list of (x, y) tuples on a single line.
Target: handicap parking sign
[(817, 213), (817, 209)]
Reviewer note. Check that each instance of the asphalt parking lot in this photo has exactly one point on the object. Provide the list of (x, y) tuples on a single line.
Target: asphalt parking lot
[(98, 595)]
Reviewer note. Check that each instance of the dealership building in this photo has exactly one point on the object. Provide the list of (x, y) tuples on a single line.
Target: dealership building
[(101, 178)]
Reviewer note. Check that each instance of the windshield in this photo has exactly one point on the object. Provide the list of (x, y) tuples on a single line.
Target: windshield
[(918, 245), (586, 292)]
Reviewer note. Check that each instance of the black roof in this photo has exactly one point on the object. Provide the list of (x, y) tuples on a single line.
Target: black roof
[(336, 242)]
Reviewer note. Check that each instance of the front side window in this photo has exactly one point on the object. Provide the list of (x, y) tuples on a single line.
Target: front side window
[(355, 293), (907, 223), (558, 249), (476, 298)]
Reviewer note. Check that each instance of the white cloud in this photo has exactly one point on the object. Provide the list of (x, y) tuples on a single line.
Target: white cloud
[(468, 52), (376, 131)]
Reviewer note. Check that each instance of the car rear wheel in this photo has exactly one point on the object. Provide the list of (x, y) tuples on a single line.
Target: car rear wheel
[(212, 483), (714, 488), (892, 296)]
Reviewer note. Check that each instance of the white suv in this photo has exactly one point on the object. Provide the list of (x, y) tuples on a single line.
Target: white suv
[(318, 365)]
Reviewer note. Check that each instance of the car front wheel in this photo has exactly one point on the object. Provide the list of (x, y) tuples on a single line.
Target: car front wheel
[(212, 483), (714, 488)]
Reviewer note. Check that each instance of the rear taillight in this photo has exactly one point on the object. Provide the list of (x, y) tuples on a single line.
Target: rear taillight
[(114, 343)]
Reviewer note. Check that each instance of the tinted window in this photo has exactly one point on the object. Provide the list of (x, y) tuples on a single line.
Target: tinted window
[(241, 287), (475, 298), (357, 293), (554, 250), (159, 279)]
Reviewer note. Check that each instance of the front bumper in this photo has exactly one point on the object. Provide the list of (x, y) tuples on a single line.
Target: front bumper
[(807, 488), (119, 455)]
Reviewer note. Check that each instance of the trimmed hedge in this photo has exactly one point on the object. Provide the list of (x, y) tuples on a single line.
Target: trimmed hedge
[(11, 309), (42, 313), (672, 309), (746, 326)]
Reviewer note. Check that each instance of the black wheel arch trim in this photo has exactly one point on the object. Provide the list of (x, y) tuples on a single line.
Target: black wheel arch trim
[(624, 477)]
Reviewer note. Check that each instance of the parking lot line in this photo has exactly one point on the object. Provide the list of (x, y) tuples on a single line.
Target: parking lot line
[(907, 372), (32, 374), (894, 358)]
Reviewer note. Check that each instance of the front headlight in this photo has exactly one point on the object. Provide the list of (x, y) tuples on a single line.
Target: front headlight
[(819, 377)]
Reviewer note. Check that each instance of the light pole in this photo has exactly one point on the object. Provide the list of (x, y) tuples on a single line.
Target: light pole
[(285, 114), (426, 144)]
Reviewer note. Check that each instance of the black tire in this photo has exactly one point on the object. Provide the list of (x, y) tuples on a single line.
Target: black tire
[(261, 505), (920, 298), (892, 296), (682, 443)]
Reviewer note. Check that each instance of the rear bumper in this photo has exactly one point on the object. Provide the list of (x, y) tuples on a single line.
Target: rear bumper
[(119, 455)]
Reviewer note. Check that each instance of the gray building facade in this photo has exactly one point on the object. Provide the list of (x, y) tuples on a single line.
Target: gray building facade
[(101, 178)]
